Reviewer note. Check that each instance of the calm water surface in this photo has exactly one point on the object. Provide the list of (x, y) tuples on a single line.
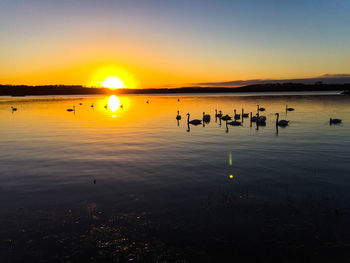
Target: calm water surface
[(112, 184)]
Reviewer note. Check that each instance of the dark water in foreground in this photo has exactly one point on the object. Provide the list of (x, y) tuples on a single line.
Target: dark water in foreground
[(118, 185)]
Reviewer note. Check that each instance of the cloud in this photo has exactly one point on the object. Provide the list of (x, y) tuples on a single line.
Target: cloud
[(326, 79)]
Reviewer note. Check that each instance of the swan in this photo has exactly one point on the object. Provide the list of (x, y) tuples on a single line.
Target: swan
[(261, 118), (260, 109), (257, 118), (282, 123), (178, 116), (194, 122), (92, 105), (244, 115), (73, 109), (206, 117), (80, 103), (13, 108), (334, 121), (106, 106), (289, 109), (218, 115), (234, 123), (253, 118), (226, 118), (236, 116)]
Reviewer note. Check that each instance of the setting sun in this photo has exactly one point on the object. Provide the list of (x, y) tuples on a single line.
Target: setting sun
[(113, 83)]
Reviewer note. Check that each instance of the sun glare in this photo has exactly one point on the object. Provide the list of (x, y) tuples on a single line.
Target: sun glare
[(113, 83), (113, 103)]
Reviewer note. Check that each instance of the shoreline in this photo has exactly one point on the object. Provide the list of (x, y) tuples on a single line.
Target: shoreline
[(21, 91)]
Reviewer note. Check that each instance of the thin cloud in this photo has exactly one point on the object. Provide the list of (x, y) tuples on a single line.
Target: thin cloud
[(326, 78)]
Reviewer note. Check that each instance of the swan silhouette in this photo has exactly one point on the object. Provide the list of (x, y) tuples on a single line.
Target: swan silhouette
[(13, 108), (234, 123), (178, 116), (226, 118), (206, 117), (282, 123), (194, 122), (218, 115), (253, 118), (236, 116), (334, 121), (289, 109), (261, 119), (244, 115), (71, 109), (260, 109), (92, 105)]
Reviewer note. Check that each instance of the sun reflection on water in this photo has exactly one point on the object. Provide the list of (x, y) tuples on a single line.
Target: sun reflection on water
[(113, 103)]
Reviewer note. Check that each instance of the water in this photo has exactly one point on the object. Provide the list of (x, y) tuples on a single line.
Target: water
[(134, 185)]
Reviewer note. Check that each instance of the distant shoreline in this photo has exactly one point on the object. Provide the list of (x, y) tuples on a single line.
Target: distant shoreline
[(22, 90)]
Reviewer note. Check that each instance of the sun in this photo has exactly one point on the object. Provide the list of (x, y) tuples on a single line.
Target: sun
[(113, 83)]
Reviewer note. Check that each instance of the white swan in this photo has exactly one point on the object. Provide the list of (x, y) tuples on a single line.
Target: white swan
[(282, 123), (178, 116), (194, 122)]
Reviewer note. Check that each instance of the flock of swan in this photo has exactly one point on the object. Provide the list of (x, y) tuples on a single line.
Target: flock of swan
[(259, 119), (234, 120)]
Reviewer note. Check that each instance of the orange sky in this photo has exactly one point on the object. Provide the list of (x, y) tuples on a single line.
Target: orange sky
[(163, 44)]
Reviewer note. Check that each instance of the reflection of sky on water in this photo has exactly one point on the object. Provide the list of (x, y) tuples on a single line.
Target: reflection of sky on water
[(144, 161)]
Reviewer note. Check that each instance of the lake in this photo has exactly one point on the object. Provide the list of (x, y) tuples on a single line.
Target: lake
[(106, 183)]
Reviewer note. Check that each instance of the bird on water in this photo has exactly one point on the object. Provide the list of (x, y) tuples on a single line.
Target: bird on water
[(282, 123), (194, 122), (289, 109), (334, 121), (71, 109), (178, 116)]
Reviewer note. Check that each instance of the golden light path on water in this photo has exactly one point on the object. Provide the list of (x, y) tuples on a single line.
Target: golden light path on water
[(113, 103)]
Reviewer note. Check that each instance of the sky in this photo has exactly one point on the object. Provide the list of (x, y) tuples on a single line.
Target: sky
[(163, 43)]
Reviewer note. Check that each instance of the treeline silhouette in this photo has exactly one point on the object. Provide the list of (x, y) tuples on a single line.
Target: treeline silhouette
[(24, 90)]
